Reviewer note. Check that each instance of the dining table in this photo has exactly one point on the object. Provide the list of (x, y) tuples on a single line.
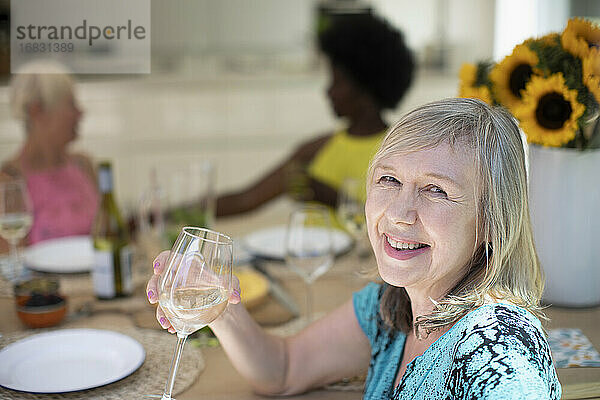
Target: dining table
[(206, 372)]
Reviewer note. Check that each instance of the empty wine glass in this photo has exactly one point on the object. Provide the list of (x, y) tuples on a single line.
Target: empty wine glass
[(351, 214), (309, 247), (16, 217), (194, 288)]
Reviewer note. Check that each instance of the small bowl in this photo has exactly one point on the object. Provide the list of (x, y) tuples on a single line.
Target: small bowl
[(41, 316), (24, 289)]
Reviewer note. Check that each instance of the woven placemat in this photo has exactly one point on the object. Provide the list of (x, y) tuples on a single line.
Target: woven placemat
[(150, 378)]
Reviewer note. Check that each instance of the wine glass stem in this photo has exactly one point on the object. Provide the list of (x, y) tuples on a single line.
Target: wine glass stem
[(174, 365), (13, 270), (13, 250), (309, 300)]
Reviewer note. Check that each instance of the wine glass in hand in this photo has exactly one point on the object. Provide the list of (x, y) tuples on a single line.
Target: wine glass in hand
[(309, 247), (194, 287), (16, 217)]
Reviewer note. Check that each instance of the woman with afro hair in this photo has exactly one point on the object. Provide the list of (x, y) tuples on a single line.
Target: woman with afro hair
[(370, 70)]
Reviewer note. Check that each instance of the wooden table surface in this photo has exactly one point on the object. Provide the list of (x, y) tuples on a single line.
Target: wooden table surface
[(219, 380)]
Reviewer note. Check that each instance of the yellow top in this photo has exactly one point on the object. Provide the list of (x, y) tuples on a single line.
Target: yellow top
[(345, 156)]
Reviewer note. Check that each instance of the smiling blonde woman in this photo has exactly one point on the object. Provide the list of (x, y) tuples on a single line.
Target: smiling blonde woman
[(448, 218), (498, 190)]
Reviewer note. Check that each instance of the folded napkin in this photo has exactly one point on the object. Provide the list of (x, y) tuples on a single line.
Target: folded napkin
[(571, 348)]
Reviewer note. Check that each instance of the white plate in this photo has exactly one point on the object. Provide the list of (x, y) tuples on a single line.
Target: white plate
[(68, 254), (69, 360), (270, 242)]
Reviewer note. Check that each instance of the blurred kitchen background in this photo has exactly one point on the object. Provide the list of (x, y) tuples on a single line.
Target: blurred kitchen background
[(240, 82)]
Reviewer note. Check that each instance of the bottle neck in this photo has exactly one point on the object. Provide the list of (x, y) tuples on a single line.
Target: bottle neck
[(105, 182)]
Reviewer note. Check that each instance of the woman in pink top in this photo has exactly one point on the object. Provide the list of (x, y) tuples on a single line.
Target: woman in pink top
[(61, 184)]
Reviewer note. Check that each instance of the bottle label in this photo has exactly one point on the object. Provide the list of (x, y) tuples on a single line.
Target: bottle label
[(103, 274)]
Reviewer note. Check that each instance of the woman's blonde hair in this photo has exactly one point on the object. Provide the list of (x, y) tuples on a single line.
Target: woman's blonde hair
[(29, 86), (504, 265)]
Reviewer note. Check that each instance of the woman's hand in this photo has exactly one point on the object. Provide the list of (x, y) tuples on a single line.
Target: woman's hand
[(152, 290)]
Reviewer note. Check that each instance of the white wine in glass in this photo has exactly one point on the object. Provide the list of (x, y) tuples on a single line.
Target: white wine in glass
[(194, 288), (309, 247), (191, 309), (15, 226), (16, 218)]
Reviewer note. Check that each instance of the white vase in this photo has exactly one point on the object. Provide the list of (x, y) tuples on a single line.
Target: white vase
[(564, 191)]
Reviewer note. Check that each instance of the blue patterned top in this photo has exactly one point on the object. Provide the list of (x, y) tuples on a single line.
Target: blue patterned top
[(497, 351)]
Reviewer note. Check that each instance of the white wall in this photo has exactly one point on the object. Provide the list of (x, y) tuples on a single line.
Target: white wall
[(253, 34), (464, 27), (187, 31), (517, 20)]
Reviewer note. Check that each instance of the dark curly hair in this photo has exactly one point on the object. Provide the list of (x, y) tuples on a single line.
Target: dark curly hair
[(372, 52)]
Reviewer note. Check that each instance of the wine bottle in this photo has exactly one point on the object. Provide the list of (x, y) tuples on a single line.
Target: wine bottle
[(111, 275)]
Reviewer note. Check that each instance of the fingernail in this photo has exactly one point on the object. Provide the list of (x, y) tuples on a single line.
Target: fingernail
[(156, 265), (163, 321), (150, 294)]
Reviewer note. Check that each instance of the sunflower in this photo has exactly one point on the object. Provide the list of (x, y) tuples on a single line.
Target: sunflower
[(550, 39), (510, 76), (549, 111), (580, 37), (469, 85), (478, 92), (467, 74), (591, 73)]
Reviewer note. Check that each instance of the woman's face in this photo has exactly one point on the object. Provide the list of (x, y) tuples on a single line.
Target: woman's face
[(61, 121), (344, 95), (421, 217)]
